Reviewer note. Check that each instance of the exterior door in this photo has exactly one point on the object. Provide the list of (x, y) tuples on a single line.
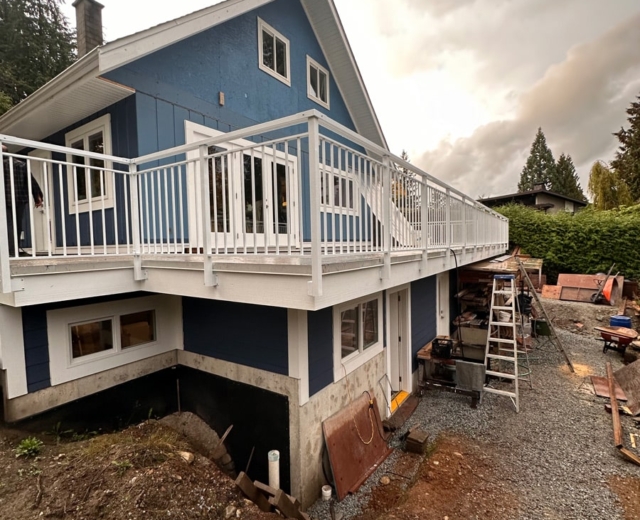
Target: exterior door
[(399, 341), (44, 216)]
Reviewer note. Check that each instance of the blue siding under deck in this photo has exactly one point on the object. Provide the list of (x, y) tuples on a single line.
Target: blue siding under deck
[(423, 315), (320, 338), (250, 335)]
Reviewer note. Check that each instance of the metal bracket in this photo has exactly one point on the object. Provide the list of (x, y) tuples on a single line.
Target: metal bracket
[(17, 284), (139, 274)]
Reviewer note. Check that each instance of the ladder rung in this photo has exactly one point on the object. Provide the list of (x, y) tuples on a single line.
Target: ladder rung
[(499, 392), (500, 374), (502, 323), (510, 293), (504, 358), (502, 308), (502, 340)]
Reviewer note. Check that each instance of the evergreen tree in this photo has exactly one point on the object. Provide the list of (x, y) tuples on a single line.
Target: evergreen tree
[(608, 189), (565, 180), (627, 161), (36, 44), (540, 167)]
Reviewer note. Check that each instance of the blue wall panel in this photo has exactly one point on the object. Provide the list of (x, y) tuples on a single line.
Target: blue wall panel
[(423, 314), (320, 337), (250, 335)]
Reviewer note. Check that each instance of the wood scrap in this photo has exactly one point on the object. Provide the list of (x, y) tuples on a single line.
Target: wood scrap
[(622, 308), (282, 502), (615, 414), (630, 455), (243, 482), (633, 440), (551, 291)]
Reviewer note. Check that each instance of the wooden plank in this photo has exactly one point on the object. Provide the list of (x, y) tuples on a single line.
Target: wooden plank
[(288, 508), (622, 308), (630, 455), (252, 493), (577, 294), (615, 415), (601, 387), (551, 291)]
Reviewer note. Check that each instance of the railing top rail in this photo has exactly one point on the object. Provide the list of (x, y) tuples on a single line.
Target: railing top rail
[(26, 143)]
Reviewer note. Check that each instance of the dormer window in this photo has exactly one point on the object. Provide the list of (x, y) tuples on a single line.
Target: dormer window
[(273, 49), (317, 83)]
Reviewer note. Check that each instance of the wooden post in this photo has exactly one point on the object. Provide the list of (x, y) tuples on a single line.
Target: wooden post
[(386, 217), (209, 278), (315, 288), (615, 414), (5, 268)]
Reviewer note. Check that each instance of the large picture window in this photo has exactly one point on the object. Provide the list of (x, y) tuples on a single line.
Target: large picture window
[(273, 50), (357, 336), (88, 180)]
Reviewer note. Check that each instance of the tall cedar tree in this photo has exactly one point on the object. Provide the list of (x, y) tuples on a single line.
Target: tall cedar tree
[(540, 167), (609, 191), (565, 180), (36, 44), (627, 161)]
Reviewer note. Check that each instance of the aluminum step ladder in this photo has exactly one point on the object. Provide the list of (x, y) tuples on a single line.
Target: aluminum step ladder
[(502, 344)]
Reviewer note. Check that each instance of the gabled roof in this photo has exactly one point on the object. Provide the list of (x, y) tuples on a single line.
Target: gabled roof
[(51, 102), (530, 193)]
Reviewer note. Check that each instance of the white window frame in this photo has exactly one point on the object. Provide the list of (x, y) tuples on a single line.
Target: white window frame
[(333, 173), (102, 124), (344, 366), (262, 25), (311, 62), (64, 367)]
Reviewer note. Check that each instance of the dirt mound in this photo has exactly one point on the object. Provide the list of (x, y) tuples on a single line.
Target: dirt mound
[(146, 471)]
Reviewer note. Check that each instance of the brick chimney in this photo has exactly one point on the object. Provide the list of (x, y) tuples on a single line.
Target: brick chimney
[(89, 25)]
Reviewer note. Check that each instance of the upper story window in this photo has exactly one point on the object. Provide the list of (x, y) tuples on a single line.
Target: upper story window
[(90, 185), (317, 83), (273, 49)]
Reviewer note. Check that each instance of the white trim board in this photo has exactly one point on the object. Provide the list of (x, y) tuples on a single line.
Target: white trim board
[(12, 355), (299, 351), (168, 335)]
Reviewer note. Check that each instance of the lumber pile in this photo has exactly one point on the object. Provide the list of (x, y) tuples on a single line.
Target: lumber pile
[(269, 499), (617, 426)]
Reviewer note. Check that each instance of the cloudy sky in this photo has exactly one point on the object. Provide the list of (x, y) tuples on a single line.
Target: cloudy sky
[(463, 85)]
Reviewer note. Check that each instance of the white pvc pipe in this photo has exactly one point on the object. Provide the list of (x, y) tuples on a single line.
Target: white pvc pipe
[(274, 469)]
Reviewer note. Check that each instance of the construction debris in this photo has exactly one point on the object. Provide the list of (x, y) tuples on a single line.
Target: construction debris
[(269, 499), (417, 441)]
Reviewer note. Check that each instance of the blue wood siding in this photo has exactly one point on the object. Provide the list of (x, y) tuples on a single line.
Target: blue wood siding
[(250, 335), (320, 338), (36, 338), (423, 315)]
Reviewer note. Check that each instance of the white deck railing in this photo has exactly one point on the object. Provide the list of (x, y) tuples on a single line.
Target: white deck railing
[(300, 186)]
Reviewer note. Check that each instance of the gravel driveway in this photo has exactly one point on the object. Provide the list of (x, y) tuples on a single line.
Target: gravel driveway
[(556, 454)]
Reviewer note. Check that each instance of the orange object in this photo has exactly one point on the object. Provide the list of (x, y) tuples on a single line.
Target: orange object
[(610, 290)]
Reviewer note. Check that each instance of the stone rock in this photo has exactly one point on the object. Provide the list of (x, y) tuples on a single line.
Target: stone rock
[(458, 454), (385, 481), (229, 511), (187, 456)]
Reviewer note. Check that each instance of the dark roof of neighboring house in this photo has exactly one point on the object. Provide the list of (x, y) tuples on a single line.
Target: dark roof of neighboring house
[(524, 194)]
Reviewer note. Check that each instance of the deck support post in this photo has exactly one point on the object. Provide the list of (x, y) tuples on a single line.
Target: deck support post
[(424, 224), (315, 286)]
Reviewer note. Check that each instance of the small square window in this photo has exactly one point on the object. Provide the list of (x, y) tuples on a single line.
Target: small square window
[(91, 338), (317, 83), (273, 49), (137, 328)]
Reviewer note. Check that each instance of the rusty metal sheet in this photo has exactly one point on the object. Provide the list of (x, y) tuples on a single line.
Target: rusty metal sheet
[(601, 386), (551, 291), (629, 380), (345, 434), (577, 294), (585, 281)]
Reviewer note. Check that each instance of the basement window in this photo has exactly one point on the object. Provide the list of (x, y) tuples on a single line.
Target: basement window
[(138, 328), (357, 337), (273, 50), (91, 338), (317, 83)]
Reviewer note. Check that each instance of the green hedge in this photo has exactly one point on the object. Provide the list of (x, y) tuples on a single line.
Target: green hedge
[(587, 242)]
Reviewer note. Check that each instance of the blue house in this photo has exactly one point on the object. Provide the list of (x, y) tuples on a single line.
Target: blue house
[(219, 199)]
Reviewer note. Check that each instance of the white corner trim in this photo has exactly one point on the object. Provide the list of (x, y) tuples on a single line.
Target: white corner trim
[(63, 368), (343, 367), (12, 355), (299, 351)]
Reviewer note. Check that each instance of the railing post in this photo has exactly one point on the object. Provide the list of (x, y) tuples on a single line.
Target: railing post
[(448, 219), (209, 277), (315, 286), (386, 217), (464, 224), (138, 274), (5, 268), (424, 223)]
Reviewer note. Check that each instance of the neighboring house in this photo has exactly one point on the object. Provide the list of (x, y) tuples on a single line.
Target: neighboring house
[(219, 197), (538, 198)]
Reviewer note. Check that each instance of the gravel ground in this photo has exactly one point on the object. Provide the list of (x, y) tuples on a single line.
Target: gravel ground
[(556, 454)]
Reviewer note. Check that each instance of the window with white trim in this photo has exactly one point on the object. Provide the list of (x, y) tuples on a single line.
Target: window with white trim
[(317, 83), (357, 333), (92, 338), (87, 179), (273, 51)]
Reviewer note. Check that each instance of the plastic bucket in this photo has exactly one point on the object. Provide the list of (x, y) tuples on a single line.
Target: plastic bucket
[(620, 321)]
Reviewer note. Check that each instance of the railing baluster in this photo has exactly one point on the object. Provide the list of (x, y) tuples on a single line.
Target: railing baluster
[(63, 212), (173, 209), (166, 211), (288, 198), (104, 220), (300, 203), (182, 219), (115, 211), (14, 224), (254, 220), (30, 206), (45, 178), (5, 265)]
